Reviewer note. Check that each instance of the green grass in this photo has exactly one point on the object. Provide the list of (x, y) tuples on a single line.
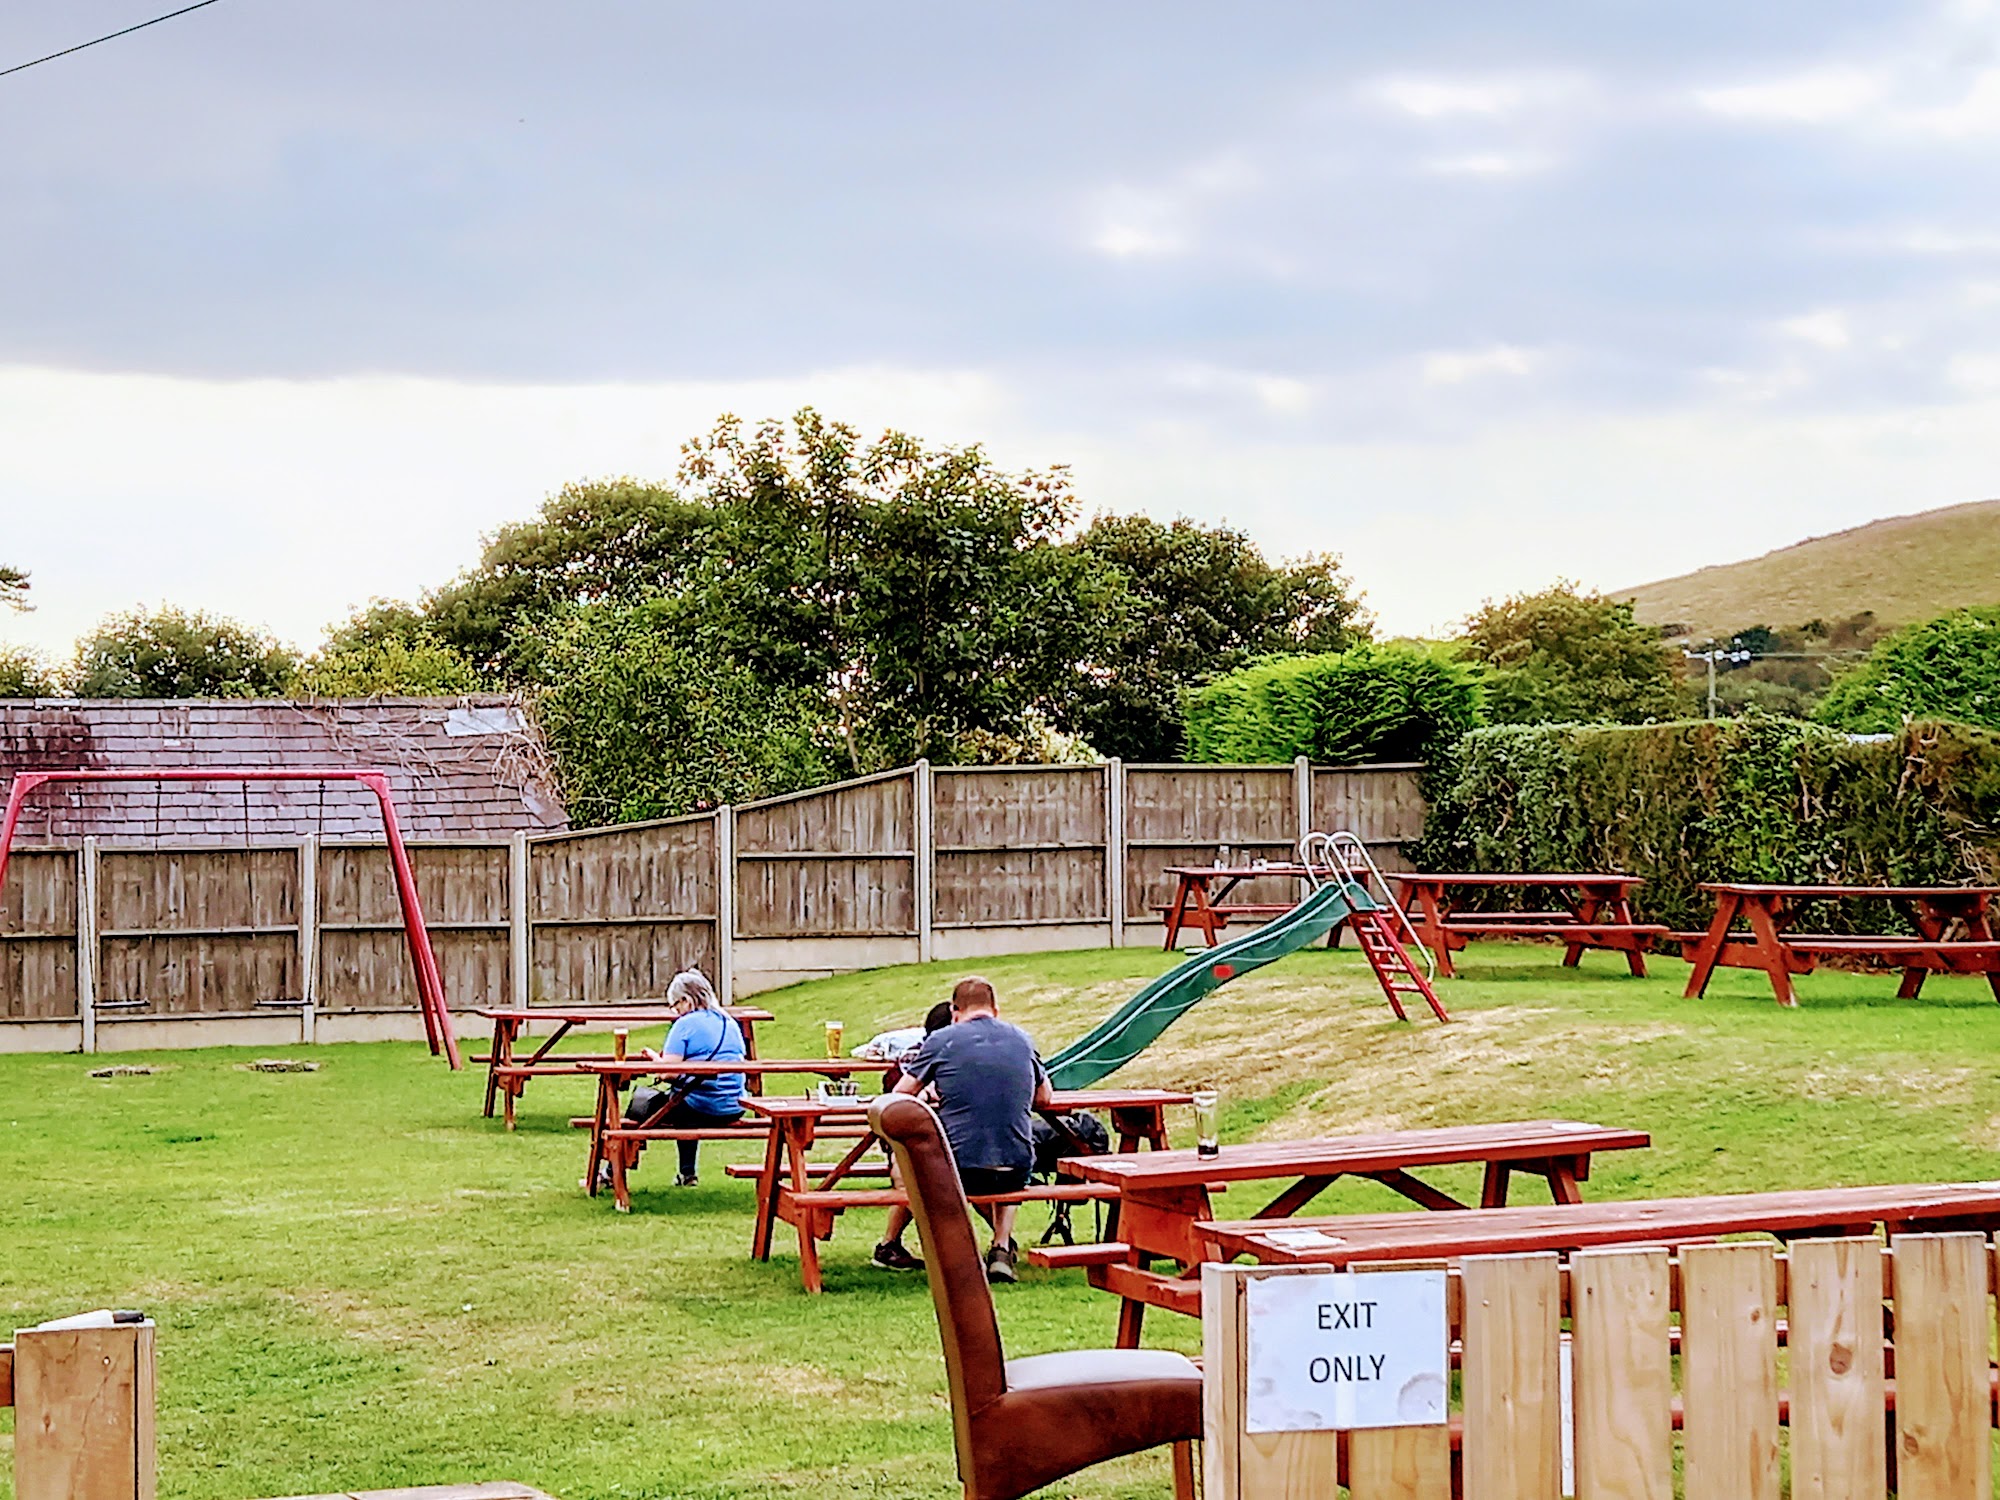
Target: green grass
[(361, 1284)]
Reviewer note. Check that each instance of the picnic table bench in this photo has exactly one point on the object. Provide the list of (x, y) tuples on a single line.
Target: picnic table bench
[(1954, 934), (1201, 898), (507, 1072), (1596, 913), (1164, 1196), (617, 1144), (791, 1189), (1351, 1239)]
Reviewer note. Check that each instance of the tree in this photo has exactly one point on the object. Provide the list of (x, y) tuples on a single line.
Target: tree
[(172, 653), (1392, 702), (1947, 668), (23, 674), (646, 723), (390, 667), (1189, 603), (1570, 657), (13, 588)]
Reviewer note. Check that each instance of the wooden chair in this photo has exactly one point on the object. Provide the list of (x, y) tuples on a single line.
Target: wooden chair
[(1022, 1423)]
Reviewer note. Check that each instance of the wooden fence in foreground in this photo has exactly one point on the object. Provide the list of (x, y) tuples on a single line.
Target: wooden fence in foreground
[(921, 863), (1877, 1380)]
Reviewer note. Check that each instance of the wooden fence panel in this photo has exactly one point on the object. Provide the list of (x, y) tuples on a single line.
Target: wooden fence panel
[(1624, 1387), (1186, 815), (1729, 1371), (1383, 805), (1835, 1341), (838, 862), (197, 931), (1944, 1328), (38, 936), (1513, 1405), (364, 956), (1020, 846), (614, 915)]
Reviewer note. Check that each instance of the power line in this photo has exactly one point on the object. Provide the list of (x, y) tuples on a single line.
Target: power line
[(112, 37)]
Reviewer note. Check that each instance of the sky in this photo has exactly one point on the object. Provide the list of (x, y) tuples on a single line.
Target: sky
[(299, 299)]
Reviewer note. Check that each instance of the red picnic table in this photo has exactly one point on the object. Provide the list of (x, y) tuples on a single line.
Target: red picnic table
[(507, 1073), (1201, 897), (792, 1189), (1351, 1239), (1164, 1196), (1954, 925), (1597, 913), (614, 1142)]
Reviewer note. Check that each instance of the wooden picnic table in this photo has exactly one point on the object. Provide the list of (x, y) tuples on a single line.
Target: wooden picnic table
[(1164, 1196), (507, 1072), (1596, 913), (1351, 1239), (617, 1144), (1201, 897), (792, 1189), (1954, 925)]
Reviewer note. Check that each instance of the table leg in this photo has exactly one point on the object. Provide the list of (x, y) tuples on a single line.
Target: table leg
[(1493, 1190), (502, 1051), (753, 1082), (1709, 949), (1174, 913), (1204, 911), (1764, 916), (599, 1123), (1563, 1181), (1979, 929), (768, 1184), (1633, 944), (1416, 1190), (1583, 911), (1430, 927)]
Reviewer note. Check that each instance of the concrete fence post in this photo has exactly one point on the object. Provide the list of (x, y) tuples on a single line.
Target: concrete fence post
[(1302, 794), (925, 857), (86, 941), (520, 931), (1114, 848), (309, 923), (725, 902)]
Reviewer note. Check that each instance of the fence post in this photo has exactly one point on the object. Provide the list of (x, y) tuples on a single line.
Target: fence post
[(85, 1402), (308, 938), (725, 902), (86, 941), (1114, 848), (925, 855), (1302, 794), (520, 935)]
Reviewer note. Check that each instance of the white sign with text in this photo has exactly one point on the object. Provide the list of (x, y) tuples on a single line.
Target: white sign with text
[(1339, 1350)]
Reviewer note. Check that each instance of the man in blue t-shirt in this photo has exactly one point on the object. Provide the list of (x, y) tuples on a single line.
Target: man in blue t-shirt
[(988, 1080)]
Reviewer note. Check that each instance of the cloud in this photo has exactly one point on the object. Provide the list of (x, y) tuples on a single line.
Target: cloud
[(1429, 97), (1457, 367), (1813, 98), (1487, 164), (1826, 329)]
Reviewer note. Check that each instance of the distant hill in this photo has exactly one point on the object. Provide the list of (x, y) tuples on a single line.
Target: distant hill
[(1904, 568)]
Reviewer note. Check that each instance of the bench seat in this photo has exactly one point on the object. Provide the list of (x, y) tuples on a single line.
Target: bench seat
[(1583, 931), (1062, 1257), (752, 1169), (837, 1199)]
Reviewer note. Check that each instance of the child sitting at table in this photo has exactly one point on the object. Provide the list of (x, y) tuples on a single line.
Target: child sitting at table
[(704, 1032)]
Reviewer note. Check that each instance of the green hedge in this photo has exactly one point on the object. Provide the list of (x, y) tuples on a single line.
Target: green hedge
[(1739, 799), (1369, 703)]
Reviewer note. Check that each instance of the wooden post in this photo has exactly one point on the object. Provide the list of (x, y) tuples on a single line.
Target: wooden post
[(86, 941), (1114, 847), (725, 902), (308, 937), (1943, 1400), (925, 857), (1835, 1338), (520, 936), (1302, 795), (83, 1424)]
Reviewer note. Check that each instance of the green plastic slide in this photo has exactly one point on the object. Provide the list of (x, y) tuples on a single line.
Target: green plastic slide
[(1137, 1024)]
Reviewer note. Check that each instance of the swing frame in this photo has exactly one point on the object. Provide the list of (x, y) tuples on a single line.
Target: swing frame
[(430, 987)]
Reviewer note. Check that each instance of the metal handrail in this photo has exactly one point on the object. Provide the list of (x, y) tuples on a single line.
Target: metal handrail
[(1348, 856)]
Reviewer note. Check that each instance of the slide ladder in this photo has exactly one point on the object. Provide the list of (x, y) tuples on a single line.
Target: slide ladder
[(1382, 927)]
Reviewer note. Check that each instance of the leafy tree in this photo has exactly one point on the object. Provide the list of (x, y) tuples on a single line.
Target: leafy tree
[(646, 723), (1947, 668), (13, 588), (172, 653), (23, 674), (1191, 602), (1369, 703), (1566, 656), (390, 667)]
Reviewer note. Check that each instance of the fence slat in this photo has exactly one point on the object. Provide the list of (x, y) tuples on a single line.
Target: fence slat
[(1838, 1445), (1943, 1409), (1513, 1410), (1399, 1463), (1624, 1380), (1729, 1371)]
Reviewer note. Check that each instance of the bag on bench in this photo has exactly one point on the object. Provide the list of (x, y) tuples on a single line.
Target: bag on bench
[(1081, 1134)]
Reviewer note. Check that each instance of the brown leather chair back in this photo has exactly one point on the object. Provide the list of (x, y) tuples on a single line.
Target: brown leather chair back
[(973, 1358)]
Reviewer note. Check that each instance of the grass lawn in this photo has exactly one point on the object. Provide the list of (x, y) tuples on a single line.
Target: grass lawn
[(361, 1284)]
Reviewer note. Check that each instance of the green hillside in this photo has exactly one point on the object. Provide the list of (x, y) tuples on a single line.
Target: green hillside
[(1904, 568)]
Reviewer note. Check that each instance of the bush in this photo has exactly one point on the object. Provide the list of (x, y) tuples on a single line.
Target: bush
[(176, 653), (23, 674), (1368, 703), (1741, 799), (1947, 668), (420, 667)]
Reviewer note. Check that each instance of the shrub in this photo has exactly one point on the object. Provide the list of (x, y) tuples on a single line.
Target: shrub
[(1368, 703), (1741, 799), (1947, 668)]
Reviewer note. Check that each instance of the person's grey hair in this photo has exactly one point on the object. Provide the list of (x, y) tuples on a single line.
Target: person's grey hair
[(691, 987)]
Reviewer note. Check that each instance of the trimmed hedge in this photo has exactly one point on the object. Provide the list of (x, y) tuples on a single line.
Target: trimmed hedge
[(1736, 799), (1342, 708)]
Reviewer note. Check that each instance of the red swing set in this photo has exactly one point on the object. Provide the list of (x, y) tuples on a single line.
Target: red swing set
[(430, 988)]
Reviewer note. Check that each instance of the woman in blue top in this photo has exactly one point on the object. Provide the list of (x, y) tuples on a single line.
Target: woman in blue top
[(704, 1032)]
